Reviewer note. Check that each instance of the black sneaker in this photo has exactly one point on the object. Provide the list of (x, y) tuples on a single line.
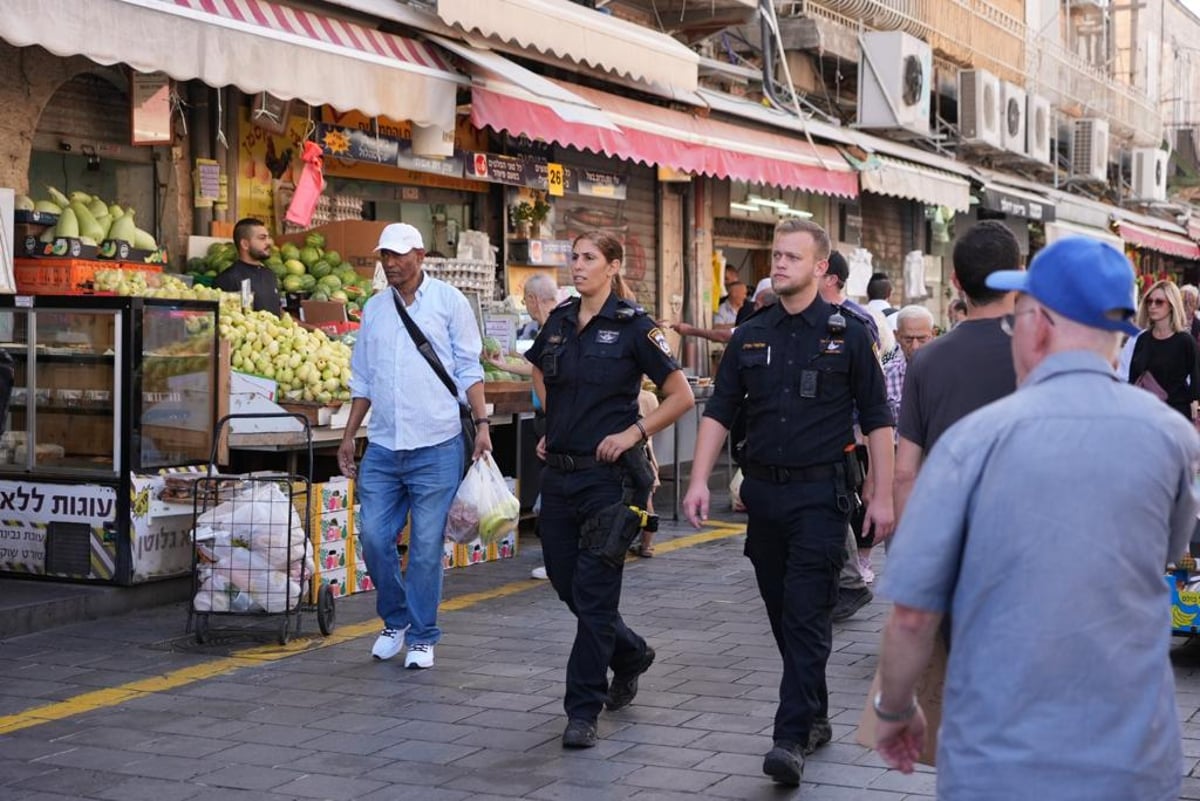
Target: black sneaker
[(579, 733), (624, 686), (785, 763), (819, 735), (849, 602)]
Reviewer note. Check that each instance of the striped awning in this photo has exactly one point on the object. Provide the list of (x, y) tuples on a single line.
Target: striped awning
[(659, 136), (255, 45)]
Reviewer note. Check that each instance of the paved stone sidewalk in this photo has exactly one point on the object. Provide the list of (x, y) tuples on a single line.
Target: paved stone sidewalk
[(324, 721)]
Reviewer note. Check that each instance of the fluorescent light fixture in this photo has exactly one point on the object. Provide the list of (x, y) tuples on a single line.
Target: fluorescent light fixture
[(743, 207), (762, 201), (795, 213)]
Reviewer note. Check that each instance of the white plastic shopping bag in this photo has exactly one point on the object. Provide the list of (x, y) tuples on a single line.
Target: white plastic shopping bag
[(483, 507)]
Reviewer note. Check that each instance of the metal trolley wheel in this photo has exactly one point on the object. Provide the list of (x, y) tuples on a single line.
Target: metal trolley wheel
[(200, 624), (326, 610)]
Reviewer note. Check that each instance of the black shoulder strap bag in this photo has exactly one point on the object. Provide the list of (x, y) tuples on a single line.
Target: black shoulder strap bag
[(426, 350)]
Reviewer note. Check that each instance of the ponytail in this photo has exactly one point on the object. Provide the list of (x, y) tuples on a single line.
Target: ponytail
[(622, 289)]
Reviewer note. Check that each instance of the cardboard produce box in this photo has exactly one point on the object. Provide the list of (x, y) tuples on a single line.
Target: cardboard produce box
[(354, 241)]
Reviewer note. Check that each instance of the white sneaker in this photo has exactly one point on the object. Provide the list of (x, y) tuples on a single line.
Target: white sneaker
[(389, 643), (539, 573), (420, 655)]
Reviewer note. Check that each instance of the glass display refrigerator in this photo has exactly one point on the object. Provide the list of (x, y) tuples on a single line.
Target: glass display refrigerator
[(112, 394)]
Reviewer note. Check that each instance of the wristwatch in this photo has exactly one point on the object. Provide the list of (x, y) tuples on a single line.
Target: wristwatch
[(893, 717)]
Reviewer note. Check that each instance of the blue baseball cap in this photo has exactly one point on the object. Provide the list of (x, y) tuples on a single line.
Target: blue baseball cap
[(1082, 279)]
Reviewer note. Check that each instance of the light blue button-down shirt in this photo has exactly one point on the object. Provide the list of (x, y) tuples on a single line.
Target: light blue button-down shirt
[(1043, 523), (410, 407)]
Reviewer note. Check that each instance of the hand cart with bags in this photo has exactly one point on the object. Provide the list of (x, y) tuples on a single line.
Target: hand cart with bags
[(252, 555)]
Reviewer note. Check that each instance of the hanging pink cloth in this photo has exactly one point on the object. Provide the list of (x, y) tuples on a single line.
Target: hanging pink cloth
[(309, 187)]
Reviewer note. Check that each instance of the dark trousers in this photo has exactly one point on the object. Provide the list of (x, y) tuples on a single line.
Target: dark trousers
[(796, 540), (590, 588)]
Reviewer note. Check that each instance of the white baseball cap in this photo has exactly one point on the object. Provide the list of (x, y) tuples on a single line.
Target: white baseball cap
[(400, 238), (763, 284)]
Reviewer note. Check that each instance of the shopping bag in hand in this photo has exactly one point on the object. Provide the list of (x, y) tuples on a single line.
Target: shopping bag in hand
[(483, 507)]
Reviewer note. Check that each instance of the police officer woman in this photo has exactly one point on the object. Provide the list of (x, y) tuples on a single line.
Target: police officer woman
[(588, 361), (799, 370)]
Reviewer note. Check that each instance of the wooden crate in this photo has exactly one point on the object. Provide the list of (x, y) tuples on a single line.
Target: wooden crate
[(66, 276)]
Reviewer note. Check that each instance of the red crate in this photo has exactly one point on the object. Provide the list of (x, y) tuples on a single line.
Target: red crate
[(66, 276)]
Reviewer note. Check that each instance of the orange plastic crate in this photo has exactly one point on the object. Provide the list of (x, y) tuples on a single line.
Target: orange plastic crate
[(66, 276)]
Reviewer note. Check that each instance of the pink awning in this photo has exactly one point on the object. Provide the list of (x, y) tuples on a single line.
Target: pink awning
[(663, 137), (1161, 241)]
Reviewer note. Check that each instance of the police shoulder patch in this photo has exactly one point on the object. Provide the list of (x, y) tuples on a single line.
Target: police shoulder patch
[(657, 336)]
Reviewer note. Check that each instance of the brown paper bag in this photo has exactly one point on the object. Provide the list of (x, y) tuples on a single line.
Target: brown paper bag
[(929, 696)]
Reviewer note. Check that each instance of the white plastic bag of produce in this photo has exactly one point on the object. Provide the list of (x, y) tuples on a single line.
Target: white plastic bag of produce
[(212, 595), (483, 507), (263, 520)]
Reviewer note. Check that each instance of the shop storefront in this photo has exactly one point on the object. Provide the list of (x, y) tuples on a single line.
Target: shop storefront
[(1159, 250), (114, 393), (904, 222)]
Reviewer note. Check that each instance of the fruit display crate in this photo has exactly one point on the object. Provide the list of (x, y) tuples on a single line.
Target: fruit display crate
[(65, 276)]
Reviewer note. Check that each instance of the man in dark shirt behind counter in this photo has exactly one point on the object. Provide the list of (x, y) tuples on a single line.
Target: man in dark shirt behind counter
[(254, 247)]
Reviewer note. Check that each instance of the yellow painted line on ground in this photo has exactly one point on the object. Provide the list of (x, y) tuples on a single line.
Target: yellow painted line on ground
[(256, 655)]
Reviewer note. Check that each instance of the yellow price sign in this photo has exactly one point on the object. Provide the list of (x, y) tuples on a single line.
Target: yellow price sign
[(555, 180)]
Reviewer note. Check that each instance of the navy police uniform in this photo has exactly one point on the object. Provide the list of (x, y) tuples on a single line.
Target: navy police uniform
[(592, 382), (798, 378)]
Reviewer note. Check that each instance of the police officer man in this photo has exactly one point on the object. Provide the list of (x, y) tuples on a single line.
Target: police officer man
[(799, 368)]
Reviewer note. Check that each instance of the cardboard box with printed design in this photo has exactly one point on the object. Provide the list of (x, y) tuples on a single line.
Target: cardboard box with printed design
[(336, 579)]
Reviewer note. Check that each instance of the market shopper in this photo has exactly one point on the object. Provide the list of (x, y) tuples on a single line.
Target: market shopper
[(1165, 358), (1043, 523), (414, 455), (853, 592), (914, 330), (965, 368), (588, 363), (253, 243), (799, 370), (540, 295)]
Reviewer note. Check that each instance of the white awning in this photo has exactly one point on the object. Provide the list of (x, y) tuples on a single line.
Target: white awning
[(495, 72), (581, 35), (255, 45), (1061, 229), (886, 176)]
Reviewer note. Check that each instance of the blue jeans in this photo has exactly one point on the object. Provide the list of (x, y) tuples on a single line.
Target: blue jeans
[(391, 484)]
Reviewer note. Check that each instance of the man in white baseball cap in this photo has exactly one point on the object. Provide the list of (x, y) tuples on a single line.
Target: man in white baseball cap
[(415, 440)]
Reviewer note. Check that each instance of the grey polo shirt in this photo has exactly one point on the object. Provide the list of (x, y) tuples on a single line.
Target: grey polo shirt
[(1063, 502)]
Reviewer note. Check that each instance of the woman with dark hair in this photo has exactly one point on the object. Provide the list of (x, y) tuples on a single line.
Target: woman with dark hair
[(1165, 359), (588, 362)]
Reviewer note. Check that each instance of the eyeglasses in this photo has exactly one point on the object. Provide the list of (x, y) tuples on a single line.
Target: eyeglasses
[(1009, 321), (1156, 301)]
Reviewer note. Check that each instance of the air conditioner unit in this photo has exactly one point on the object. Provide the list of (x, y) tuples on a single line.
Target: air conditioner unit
[(1038, 119), (979, 108), (1089, 149), (1012, 117), (894, 80), (1149, 173)]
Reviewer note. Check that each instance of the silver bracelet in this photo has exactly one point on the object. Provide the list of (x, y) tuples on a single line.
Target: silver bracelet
[(893, 717)]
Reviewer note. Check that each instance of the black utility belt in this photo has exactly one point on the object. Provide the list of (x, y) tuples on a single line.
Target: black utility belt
[(569, 462), (790, 475)]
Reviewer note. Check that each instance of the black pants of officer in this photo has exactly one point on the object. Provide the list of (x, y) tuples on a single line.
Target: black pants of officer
[(590, 588), (796, 540)]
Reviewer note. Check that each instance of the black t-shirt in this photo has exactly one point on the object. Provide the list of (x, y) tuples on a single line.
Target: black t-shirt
[(799, 385), (1173, 363), (593, 376), (262, 284), (954, 375)]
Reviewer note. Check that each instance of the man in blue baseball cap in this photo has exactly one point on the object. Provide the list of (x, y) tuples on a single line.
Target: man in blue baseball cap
[(1042, 524)]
